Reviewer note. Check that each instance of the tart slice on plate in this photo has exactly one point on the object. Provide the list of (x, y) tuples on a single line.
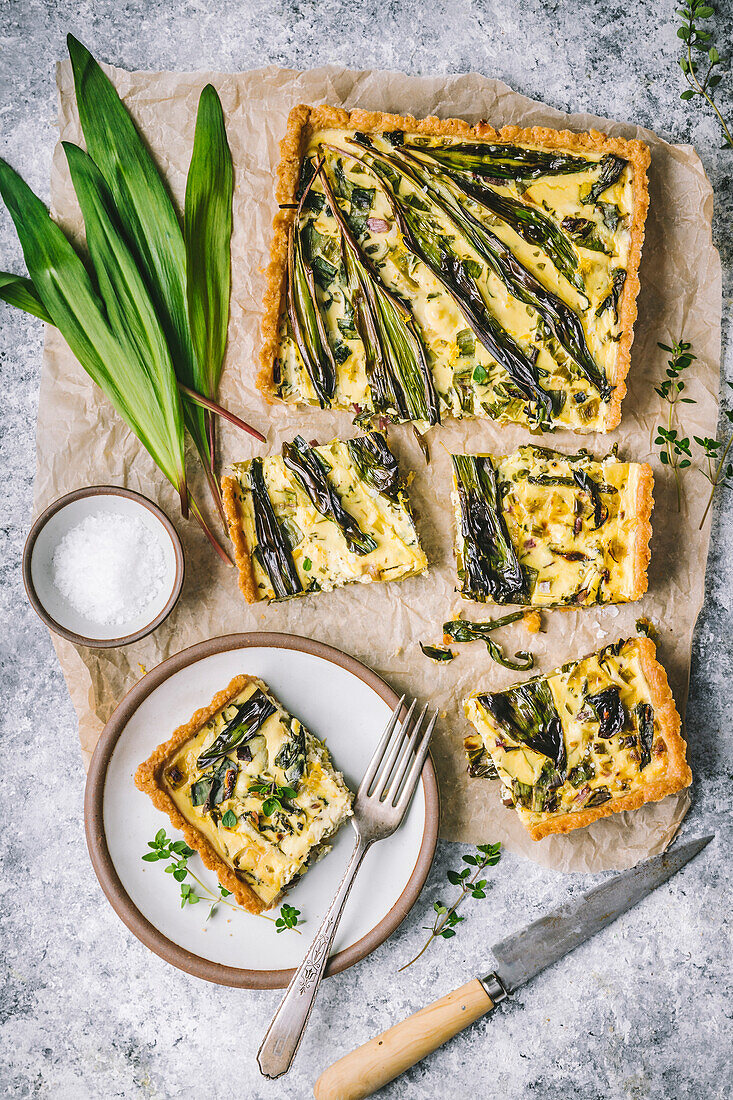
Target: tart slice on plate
[(316, 518), (549, 529), (423, 269), (592, 738), (253, 791)]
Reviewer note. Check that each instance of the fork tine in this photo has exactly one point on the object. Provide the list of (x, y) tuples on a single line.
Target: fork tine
[(380, 749), (401, 802), (403, 761), (388, 761)]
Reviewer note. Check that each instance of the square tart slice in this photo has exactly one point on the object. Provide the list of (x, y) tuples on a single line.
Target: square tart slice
[(551, 530), (592, 738), (316, 518), (424, 269), (252, 790)]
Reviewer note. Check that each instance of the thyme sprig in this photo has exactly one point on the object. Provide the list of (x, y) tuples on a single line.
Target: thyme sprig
[(446, 919), (179, 853), (675, 449), (288, 918), (702, 78), (275, 797), (717, 469)]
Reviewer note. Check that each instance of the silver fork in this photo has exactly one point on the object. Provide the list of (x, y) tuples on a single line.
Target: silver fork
[(379, 807)]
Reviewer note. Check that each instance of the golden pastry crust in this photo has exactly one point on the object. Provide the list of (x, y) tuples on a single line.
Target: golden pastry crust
[(641, 550), (305, 120), (677, 776), (242, 560), (148, 778)]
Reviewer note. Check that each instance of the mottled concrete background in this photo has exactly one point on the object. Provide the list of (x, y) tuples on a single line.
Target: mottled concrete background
[(85, 1010)]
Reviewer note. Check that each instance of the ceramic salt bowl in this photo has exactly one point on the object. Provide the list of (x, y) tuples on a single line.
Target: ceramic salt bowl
[(50, 528)]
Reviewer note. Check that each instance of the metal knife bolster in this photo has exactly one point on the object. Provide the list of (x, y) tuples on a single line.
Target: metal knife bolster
[(494, 986)]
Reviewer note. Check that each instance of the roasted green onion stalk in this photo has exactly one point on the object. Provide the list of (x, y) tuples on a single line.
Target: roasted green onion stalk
[(488, 566), (305, 463), (273, 548)]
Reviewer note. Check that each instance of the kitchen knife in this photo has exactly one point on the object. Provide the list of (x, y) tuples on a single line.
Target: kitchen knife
[(519, 958)]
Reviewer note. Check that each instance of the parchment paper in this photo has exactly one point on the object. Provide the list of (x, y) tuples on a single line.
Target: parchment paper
[(81, 441)]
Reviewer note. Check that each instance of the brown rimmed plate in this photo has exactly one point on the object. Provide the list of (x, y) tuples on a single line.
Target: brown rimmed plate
[(340, 700)]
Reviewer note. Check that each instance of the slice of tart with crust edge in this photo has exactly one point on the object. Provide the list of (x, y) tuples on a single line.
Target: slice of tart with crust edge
[(251, 789), (316, 518), (592, 738), (435, 269), (549, 529)]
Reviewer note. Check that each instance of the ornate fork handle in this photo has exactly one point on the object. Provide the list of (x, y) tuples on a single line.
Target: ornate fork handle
[(285, 1032)]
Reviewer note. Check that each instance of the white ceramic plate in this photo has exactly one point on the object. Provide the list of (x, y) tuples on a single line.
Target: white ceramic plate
[(341, 701)]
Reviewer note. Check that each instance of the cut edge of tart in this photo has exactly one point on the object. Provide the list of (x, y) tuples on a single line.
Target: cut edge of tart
[(366, 483), (150, 778), (667, 741), (611, 566), (304, 120)]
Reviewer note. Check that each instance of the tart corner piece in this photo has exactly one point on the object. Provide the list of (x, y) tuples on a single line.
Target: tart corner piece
[(548, 228), (319, 517), (549, 529), (252, 791), (596, 737)]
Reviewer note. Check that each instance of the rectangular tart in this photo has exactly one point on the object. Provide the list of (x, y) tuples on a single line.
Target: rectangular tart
[(252, 790), (549, 529), (424, 269), (315, 518), (592, 738)]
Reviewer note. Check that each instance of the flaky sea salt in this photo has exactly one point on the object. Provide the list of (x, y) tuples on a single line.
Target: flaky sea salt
[(110, 567)]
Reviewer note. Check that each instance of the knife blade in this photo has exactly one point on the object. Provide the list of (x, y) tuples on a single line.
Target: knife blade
[(526, 953), (519, 958)]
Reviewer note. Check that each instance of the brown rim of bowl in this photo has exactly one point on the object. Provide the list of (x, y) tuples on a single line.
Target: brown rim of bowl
[(40, 523), (105, 870)]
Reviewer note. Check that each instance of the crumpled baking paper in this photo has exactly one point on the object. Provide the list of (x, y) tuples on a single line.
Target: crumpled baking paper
[(81, 441)]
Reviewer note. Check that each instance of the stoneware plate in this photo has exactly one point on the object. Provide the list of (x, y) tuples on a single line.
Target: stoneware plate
[(341, 701)]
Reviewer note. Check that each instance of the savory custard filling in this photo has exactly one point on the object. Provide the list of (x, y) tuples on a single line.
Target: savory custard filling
[(583, 736), (431, 276), (544, 528), (319, 517), (260, 788)]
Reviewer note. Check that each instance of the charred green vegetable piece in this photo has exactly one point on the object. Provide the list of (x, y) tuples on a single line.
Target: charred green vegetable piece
[(519, 280), (598, 797), (489, 567), (530, 223), (437, 653), (527, 714), (585, 233), (273, 549), (523, 661), (304, 462), (376, 464), (611, 168), (612, 299), (397, 369), (585, 482), (645, 720), (306, 321), (292, 756), (244, 725), (608, 709), (433, 249), (505, 162), (480, 764), (216, 786), (463, 630)]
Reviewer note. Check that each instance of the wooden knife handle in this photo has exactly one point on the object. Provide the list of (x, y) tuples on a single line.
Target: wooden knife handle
[(371, 1066)]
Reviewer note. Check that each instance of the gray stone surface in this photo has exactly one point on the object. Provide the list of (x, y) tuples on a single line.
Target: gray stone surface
[(86, 1010)]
